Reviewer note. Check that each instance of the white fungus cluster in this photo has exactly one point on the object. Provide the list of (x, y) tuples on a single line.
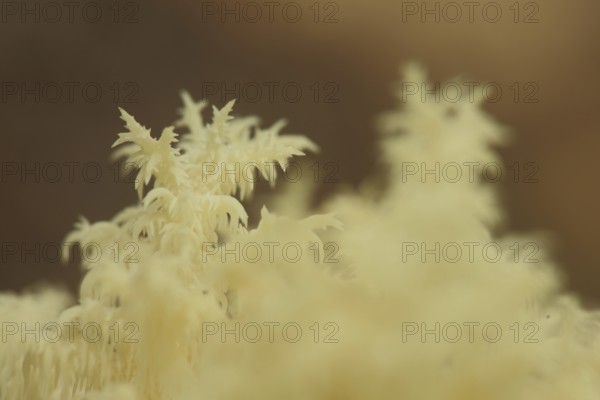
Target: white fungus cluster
[(373, 303)]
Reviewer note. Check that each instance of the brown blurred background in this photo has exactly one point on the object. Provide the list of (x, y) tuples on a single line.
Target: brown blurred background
[(342, 54)]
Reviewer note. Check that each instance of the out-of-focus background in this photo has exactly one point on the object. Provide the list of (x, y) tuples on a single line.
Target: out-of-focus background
[(326, 66)]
